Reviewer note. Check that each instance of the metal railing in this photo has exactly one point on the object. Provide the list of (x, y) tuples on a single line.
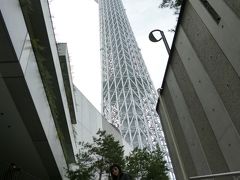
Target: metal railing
[(235, 175)]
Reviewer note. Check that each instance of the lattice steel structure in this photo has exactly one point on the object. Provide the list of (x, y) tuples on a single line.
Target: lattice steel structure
[(128, 96)]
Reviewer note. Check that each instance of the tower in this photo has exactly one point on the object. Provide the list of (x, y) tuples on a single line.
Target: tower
[(128, 95)]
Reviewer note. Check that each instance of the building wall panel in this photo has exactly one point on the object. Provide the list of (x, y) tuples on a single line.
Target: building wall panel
[(15, 23), (187, 125), (89, 120), (215, 110), (223, 32), (178, 131), (221, 72), (174, 152), (206, 135), (234, 5)]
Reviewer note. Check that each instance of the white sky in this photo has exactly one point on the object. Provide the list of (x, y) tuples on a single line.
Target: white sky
[(76, 23)]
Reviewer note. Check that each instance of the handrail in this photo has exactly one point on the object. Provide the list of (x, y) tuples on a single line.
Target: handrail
[(234, 174)]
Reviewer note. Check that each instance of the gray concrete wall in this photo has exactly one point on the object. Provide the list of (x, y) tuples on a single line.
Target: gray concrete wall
[(110, 129), (90, 120), (200, 102)]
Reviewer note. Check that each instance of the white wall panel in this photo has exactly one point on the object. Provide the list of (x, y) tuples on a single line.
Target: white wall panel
[(15, 23)]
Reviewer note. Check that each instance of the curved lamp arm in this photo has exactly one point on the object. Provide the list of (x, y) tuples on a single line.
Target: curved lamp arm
[(154, 39)]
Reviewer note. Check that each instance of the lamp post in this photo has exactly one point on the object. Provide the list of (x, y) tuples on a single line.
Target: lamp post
[(154, 39), (160, 101)]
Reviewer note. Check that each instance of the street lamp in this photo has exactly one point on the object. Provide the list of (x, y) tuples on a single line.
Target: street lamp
[(159, 102), (154, 39)]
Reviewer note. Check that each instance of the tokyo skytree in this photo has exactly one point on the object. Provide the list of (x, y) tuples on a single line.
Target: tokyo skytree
[(128, 96)]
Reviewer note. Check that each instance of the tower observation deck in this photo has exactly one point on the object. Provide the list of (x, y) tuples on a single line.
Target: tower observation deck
[(128, 96)]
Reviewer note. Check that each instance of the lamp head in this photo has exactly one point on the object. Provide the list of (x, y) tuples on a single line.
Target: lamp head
[(152, 37)]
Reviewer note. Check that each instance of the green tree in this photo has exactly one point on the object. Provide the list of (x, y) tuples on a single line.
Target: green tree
[(147, 165), (157, 168), (84, 167), (172, 4), (95, 158), (106, 151), (136, 162)]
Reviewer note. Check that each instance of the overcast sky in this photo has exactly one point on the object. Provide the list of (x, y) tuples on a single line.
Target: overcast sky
[(76, 22)]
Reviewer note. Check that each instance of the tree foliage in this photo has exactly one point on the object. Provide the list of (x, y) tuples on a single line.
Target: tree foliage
[(106, 151), (95, 158), (172, 4), (84, 167), (147, 165)]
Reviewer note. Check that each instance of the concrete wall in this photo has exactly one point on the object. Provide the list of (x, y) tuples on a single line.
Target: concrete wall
[(200, 101), (90, 120)]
